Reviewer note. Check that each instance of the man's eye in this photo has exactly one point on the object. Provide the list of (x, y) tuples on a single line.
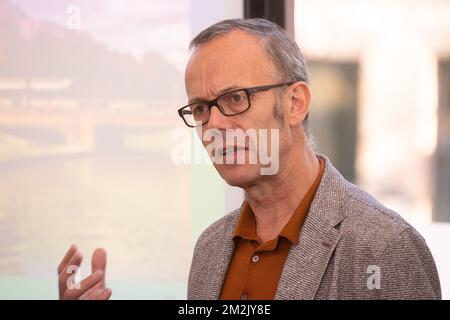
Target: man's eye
[(236, 98), (198, 110)]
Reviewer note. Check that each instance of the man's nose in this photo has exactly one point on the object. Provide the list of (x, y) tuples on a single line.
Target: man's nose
[(216, 119)]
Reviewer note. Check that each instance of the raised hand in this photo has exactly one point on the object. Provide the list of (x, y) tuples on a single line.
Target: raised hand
[(90, 288)]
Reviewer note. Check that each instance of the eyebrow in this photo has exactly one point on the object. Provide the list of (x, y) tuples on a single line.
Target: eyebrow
[(225, 90)]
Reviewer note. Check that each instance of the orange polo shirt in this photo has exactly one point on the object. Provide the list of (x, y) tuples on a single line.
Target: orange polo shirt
[(255, 268)]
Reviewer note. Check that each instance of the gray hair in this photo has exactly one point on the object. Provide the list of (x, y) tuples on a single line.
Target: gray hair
[(283, 51)]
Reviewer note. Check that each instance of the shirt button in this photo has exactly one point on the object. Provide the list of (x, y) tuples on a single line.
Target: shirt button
[(244, 296), (255, 258)]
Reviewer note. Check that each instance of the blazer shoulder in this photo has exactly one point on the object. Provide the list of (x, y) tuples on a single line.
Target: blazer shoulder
[(363, 205), (370, 223)]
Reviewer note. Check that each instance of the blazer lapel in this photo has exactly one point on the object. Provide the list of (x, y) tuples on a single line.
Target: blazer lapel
[(307, 262)]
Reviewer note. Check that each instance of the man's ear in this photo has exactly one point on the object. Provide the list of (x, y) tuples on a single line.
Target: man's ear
[(300, 98)]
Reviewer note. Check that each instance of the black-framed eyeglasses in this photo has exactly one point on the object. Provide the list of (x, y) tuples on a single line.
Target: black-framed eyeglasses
[(229, 104)]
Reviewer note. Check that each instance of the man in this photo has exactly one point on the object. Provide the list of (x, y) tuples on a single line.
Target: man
[(303, 232)]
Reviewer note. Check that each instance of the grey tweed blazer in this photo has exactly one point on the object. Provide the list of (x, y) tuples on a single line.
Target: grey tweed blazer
[(350, 247)]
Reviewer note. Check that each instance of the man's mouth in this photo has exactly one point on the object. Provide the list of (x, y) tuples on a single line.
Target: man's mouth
[(227, 150)]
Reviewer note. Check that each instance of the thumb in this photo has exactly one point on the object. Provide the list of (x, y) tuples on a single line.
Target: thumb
[(99, 262)]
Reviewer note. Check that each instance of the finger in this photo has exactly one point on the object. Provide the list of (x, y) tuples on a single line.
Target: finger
[(99, 258), (105, 294), (73, 248), (93, 281), (91, 293), (75, 261), (97, 293)]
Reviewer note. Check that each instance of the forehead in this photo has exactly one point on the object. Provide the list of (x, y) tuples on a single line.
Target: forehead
[(234, 59)]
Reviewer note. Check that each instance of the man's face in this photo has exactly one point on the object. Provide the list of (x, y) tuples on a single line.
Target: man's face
[(234, 61)]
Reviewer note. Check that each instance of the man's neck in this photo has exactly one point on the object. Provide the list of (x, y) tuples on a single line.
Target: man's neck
[(274, 200)]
